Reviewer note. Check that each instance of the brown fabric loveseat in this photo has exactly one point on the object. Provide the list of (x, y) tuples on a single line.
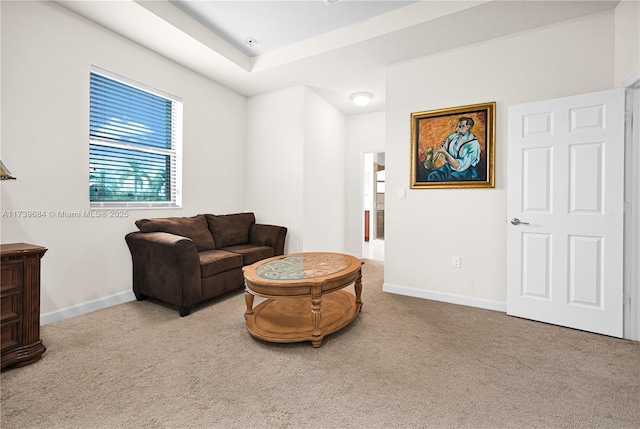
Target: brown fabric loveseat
[(187, 260)]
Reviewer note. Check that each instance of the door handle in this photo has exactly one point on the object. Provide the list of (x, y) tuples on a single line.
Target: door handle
[(516, 221)]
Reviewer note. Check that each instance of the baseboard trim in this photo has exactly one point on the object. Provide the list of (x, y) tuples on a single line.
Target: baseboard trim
[(446, 297), (120, 298), (87, 307)]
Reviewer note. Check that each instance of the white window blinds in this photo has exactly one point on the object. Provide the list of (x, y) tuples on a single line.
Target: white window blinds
[(135, 143)]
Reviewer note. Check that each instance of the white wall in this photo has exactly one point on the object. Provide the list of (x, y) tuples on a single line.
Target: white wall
[(324, 175), (365, 133), (295, 167), (430, 226), (274, 170), (47, 52), (627, 40)]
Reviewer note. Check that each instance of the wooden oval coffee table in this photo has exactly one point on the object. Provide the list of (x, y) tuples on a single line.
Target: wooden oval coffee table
[(305, 300)]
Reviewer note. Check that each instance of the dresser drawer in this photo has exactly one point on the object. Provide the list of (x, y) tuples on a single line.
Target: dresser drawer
[(10, 335), (11, 277), (10, 302)]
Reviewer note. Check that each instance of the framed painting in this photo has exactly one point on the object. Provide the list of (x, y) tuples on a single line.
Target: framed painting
[(453, 147)]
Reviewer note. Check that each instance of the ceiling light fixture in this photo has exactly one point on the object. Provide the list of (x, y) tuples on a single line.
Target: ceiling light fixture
[(361, 98)]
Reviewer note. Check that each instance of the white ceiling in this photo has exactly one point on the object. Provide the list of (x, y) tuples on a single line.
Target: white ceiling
[(274, 24), (335, 49)]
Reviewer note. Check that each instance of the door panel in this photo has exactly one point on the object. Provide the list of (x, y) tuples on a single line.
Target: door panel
[(566, 178), (585, 271), (537, 180), (536, 279)]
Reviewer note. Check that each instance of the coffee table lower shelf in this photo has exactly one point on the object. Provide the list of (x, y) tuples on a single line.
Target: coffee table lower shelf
[(290, 320)]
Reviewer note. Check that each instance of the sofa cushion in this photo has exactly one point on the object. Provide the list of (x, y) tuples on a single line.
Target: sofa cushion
[(214, 262), (196, 228), (230, 230), (251, 253)]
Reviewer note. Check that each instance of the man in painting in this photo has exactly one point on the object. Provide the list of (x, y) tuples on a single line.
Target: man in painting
[(461, 152)]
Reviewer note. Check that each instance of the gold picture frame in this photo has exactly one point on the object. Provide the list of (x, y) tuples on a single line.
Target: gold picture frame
[(453, 147)]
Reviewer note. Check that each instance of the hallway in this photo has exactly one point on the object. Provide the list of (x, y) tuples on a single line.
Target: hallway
[(373, 249)]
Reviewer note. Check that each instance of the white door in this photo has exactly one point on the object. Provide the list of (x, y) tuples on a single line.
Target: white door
[(565, 211)]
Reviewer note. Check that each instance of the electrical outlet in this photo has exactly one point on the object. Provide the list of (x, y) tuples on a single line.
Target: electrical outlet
[(455, 261), (296, 245)]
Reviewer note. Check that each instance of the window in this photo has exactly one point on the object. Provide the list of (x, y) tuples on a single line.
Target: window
[(135, 135)]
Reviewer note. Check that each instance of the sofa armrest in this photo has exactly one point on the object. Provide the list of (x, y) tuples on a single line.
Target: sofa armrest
[(165, 266), (268, 235)]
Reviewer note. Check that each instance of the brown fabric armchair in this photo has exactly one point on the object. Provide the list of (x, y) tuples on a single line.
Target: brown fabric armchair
[(184, 261)]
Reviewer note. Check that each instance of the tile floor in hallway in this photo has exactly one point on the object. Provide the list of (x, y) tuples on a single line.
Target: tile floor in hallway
[(373, 249)]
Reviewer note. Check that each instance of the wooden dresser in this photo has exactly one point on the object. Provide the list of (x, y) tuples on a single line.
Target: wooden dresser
[(20, 304)]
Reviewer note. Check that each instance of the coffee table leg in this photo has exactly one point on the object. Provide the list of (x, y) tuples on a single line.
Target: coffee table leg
[(358, 289), (248, 298), (316, 306)]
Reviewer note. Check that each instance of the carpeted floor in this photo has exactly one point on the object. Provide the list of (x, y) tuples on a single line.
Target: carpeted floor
[(402, 363)]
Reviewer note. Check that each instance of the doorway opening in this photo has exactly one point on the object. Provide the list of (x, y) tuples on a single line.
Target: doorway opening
[(373, 202)]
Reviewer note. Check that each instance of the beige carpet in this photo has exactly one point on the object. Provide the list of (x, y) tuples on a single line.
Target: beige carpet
[(403, 363)]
